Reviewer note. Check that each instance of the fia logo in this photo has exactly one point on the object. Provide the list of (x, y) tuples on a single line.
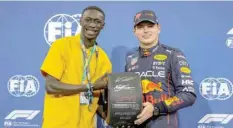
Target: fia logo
[(23, 86), (216, 88), (229, 41), (61, 25)]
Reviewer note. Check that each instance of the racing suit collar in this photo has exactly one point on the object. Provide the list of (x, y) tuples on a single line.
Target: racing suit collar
[(144, 52)]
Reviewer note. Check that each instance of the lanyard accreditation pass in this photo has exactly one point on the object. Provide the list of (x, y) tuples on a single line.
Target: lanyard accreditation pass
[(85, 98)]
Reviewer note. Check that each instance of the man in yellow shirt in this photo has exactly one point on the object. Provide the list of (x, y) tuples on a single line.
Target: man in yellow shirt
[(75, 69)]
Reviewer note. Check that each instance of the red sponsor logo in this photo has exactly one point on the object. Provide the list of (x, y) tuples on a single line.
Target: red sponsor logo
[(148, 86), (138, 16), (169, 101)]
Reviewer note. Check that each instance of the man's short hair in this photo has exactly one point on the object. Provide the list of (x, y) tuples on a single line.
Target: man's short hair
[(94, 8)]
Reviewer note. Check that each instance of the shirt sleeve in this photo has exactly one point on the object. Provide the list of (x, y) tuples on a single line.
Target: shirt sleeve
[(54, 61), (109, 70)]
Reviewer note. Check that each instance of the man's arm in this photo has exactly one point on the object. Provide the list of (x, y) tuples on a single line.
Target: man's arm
[(103, 104), (103, 98), (183, 84), (53, 86)]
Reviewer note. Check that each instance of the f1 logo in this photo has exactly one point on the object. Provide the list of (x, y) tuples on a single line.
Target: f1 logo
[(222, 118), (230, 32), (27, 114)]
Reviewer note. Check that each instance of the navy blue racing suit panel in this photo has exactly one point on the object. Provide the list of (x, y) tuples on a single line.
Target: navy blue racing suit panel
[(166, 80), (182, 82)]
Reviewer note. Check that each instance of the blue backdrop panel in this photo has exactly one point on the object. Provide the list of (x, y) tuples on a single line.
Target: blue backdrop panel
[(202, 30)]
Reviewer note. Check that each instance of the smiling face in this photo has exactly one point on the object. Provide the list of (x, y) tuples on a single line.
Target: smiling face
[(92, 22), (147, 32)]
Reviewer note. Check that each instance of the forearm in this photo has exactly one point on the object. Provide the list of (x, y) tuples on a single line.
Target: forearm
[(179, 101), (63, 92), (181, 79), (54, 86)]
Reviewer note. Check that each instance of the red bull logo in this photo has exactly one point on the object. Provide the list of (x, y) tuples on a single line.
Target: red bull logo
[(148, 86), (151, 99), (173, 101), (138, 16), (169, 101), (146, 53)]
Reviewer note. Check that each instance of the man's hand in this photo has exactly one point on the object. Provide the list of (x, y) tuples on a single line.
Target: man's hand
[(101, 83), (100, 111), (146, 113)]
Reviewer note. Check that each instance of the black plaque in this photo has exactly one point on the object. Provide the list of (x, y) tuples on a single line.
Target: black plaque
[(124, 98)]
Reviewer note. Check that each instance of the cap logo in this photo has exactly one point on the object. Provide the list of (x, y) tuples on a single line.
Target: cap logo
[(138, 16), (149, 14)]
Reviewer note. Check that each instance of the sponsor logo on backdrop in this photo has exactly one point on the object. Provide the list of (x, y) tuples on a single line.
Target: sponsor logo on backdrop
[(229, 41), (23, 86), (61, 25), (216, 88), (215, 120), (21, 118)]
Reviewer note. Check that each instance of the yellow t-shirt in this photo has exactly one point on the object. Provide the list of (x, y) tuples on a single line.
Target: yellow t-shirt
[(64, 61)]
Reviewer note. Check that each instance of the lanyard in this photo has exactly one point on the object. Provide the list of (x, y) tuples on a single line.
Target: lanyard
[(86, 72)]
